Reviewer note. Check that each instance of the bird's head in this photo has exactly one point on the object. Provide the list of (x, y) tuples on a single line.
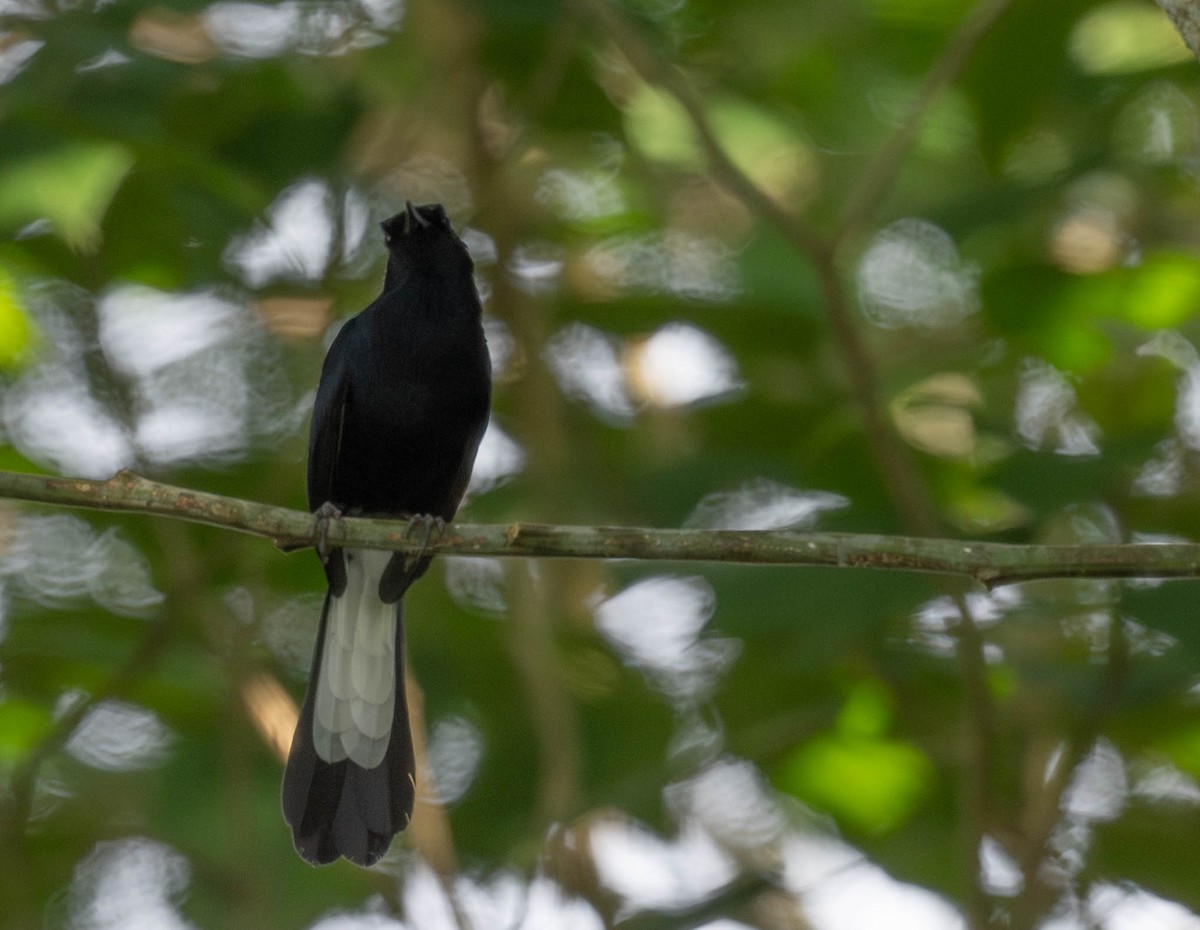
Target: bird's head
[(421, 237)]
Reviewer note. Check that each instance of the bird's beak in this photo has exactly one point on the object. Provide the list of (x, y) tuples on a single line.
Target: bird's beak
[(413, 216)]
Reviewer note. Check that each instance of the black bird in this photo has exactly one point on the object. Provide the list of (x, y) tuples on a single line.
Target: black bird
[(401, 407)]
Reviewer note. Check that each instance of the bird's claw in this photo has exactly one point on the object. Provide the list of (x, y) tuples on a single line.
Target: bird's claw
[(323, 516), (432, 526)]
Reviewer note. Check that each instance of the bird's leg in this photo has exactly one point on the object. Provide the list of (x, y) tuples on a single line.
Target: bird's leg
[(322, 517), (407, 567)]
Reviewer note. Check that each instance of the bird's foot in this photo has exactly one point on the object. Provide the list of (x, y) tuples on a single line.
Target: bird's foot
[(406, 568), (434, 528), (323, 516)]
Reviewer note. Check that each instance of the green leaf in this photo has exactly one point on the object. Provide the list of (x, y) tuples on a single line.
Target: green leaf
[(869, 782), (871, 785), (70, 186), (23, 724), (1124, 38), (16, 333)]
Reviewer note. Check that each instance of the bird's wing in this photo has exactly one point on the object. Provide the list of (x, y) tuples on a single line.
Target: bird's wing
[(329, 416)]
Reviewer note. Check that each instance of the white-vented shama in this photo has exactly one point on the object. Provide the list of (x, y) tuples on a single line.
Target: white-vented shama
[(356, 686)]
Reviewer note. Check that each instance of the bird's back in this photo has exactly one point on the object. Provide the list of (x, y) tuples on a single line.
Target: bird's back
[(415, 403)]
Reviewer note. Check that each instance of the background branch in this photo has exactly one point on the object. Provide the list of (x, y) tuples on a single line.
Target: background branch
[(879, 176)]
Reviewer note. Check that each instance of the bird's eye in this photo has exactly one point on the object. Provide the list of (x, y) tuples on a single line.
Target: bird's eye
[(387, 241)]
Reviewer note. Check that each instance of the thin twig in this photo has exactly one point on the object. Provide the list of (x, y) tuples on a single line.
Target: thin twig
[(895, 462), (654, 69), (879, 176), (24, 775), (893, 458), (1046, 809), (980, 739)]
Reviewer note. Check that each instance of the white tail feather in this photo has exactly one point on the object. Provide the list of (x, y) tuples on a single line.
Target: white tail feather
[(356, 683)]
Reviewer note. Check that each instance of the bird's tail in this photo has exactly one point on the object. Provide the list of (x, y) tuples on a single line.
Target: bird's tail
[(349, 783)]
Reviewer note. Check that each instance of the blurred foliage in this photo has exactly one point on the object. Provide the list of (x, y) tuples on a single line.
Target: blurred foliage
[(702, 277)]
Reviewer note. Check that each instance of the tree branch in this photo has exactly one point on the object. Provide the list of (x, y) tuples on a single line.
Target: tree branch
[(990, 564), (1185, 14)]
